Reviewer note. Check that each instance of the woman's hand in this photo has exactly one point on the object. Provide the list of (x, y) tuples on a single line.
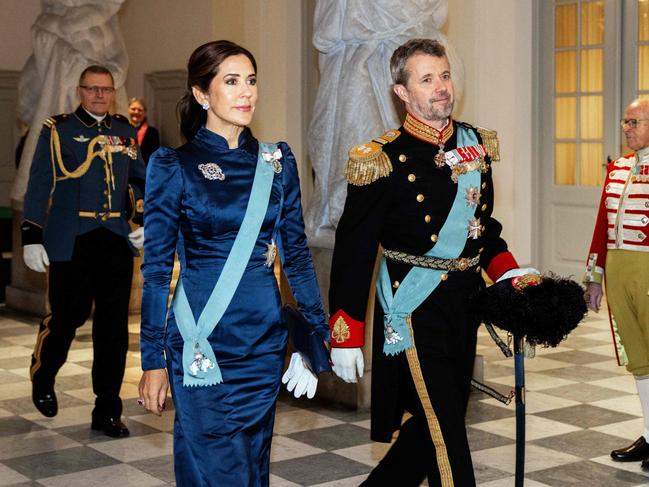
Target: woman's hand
[(153, 388), (299, 379)]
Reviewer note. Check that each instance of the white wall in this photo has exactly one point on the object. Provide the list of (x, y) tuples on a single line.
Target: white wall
[(494, 39)]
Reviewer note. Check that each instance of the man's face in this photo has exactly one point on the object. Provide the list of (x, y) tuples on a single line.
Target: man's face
[(637, 138), (429, 93), (96, 93)]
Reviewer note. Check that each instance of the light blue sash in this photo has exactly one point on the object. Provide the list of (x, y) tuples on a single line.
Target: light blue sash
[(420, 282), (199, 362)]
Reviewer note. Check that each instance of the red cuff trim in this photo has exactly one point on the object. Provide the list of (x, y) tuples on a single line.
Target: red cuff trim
[(501, 264), (345, 331)]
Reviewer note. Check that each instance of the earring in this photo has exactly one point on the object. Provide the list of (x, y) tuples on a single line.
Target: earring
[(205, 105)]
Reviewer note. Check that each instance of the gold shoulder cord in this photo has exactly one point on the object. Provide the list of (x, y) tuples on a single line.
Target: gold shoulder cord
[(105, 155)]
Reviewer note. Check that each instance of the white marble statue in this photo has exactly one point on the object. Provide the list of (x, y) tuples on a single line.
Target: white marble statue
[(354, 103), (67, 36)]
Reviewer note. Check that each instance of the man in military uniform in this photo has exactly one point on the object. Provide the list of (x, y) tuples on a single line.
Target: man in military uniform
[(86, 181), (620, 250), (424, 193)]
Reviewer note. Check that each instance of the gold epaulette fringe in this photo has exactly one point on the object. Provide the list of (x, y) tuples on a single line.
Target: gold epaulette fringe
[(367, 162), (490, 142)]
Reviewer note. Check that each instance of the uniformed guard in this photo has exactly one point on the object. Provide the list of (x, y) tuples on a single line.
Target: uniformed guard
[(86, 182), (620, 251), (423, 193)]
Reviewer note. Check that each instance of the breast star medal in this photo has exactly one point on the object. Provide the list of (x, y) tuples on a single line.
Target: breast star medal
[(474, 228)]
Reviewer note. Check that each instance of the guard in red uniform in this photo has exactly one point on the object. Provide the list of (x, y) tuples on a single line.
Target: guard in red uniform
[(620, 251)]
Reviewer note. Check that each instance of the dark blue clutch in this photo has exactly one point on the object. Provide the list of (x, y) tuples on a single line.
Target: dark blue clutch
[(305, 339)]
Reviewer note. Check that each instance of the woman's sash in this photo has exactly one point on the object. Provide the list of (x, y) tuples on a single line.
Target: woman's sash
[(199, 362)]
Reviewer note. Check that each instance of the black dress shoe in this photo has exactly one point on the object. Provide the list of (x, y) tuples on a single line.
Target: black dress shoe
[(635, 452), (45, 401), (112, 427)]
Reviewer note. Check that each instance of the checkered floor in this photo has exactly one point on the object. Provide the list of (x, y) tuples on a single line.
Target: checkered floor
[(580, 406)]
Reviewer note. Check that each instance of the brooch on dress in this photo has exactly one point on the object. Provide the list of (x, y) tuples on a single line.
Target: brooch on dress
[(211, 171), (271, 253), (273, 159)]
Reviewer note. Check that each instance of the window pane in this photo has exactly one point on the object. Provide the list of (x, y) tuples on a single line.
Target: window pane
[(592, 23), (643, 20), (643, 68), (565, 156), (591, 172), (566, 71), (565, 122), (565, 25), (591, 70), (591, 117)]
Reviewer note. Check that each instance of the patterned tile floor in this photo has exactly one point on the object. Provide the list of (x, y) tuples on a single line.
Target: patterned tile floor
[(580, 406)]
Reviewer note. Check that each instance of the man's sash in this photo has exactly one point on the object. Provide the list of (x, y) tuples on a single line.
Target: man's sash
[(420, 282), (199, 362)]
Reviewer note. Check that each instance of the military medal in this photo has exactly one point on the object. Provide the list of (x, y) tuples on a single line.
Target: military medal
[(200, 363), (440, 157), (271, 253), (273, 160), (211, 171), (474, 228), (472, 196)]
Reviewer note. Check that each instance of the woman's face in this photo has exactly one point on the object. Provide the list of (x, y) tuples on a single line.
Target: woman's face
[(136, 113), (232, 94)]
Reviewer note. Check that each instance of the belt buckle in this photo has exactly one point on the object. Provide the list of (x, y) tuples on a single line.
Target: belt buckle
[(102, 215), (463, 264)]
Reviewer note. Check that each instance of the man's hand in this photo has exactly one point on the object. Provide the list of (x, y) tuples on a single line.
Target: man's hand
[(299, 379), (347, 362), (153, 390), (137, 237), (594, 295), (35, 257)]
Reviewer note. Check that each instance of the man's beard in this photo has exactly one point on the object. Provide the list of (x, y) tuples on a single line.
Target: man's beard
[(433, 114)]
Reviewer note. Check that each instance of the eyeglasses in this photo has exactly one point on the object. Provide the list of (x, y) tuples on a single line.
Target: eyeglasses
[(104, 90), (631, 122)]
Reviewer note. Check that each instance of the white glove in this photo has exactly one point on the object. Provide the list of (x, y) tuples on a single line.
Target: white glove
[(518, 272), (137, 237), (300, 379), (347, 362), (35, 257)]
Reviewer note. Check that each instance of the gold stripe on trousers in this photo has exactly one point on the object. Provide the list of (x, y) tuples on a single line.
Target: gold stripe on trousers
[(443, 464)]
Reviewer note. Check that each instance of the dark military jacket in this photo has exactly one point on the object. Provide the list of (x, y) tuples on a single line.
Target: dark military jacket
[(399, 199), (85, 174)]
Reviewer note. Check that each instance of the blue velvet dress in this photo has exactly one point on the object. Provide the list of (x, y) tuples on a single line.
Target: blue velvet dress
[(222, 433)]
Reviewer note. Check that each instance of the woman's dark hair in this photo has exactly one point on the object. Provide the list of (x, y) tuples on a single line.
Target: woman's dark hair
[(203, 65)]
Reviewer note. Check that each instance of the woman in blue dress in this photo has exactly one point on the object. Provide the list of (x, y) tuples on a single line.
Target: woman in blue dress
[(222, 342)]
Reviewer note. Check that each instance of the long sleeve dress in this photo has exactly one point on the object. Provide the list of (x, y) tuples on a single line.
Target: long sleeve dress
[(222, 433)]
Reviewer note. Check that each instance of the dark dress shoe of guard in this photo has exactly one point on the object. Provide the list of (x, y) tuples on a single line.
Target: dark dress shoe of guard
[(635, 452), (45, 401), (112, 427)]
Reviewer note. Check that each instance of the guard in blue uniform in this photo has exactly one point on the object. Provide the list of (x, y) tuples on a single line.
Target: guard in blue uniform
[(86, 182)]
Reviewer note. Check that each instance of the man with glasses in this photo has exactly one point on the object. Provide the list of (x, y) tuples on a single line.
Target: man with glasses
[(620, 250), (86, 181)]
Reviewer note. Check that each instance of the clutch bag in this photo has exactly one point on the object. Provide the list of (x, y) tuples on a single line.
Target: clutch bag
[(306, 340)]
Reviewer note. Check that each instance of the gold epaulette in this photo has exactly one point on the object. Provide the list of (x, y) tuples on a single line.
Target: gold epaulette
[(490, 142), (49, 122), (367, 162)]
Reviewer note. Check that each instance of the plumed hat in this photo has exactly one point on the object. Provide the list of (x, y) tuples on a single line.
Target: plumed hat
[(544, 309)]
